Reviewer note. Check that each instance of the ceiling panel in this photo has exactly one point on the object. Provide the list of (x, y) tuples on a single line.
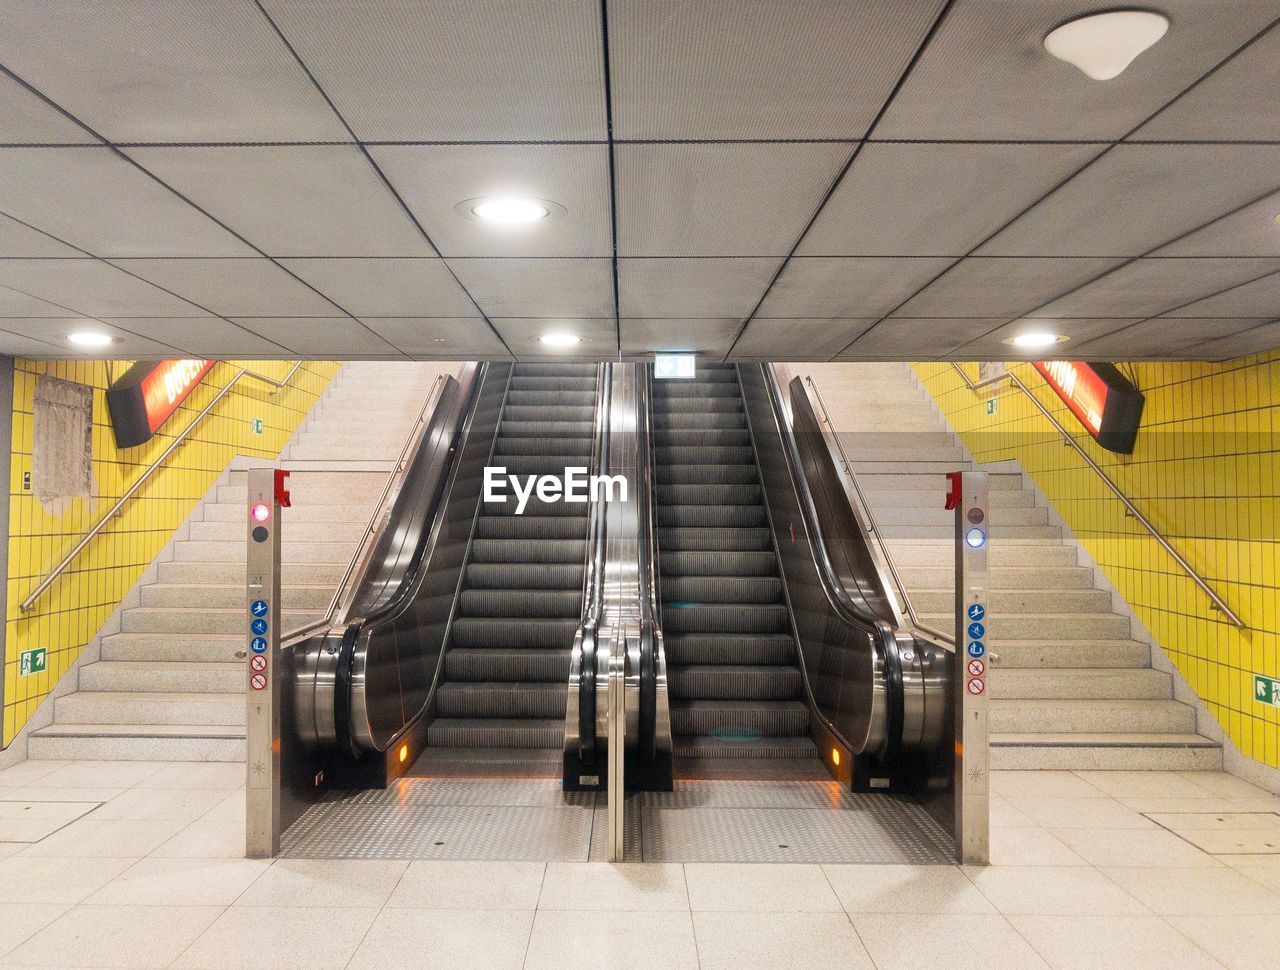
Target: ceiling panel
[(232, 287), (539, 287), (847, 287), (91, 287), (211, 71), (1261, 298), (326, 338), (17, 239), (720, 200), (1256, 341), (15, 303), (798, 339), (1146, 287), (934, 199), (19, 345), (201, 336), (599, 337), (27, 120), (909, 338), (387, 287), (1079, 331), (314, 200), (1138, 197), (1161, 338), (466, 338), (706, 69), (642, 336), (981, 287), (433, 179), (1250, 231), (54, 331), (698, 288), (1236, 102), (468, 70), (987, 75), (92, 198)]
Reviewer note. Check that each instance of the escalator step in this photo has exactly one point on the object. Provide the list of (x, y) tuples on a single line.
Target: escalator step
[(538, 464), (714, 540), (765, 748), (711, 516), (744, 474), (712, 618), (728, 719), (713, 454), (722, 589), (548, 426), (539, 634), (529, 551), (683, 421), (530, 665), (735, 682), (727, 648), (577, 445), (530, 603), (718, 563), (524, 575), (690, 437), (550, 397), (496, 732), (696, 390), (559, 412), (693, 405), (502, 699), (532, 527), (535, 507), (707, 494)]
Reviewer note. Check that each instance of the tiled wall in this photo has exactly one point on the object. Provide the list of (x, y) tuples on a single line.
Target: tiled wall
[(1206, 472), (70, 612)]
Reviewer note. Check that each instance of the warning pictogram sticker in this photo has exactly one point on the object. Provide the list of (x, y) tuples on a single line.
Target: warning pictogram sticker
[(259, 682), (258, 662), (976, 686), (976, 667)]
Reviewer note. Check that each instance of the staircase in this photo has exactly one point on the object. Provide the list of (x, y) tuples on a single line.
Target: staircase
[(1072, 689), (168, 685)]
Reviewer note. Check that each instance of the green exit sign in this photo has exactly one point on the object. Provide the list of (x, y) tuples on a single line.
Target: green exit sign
[(257, 425), (32, 661), (991, 406), (1266, 690)]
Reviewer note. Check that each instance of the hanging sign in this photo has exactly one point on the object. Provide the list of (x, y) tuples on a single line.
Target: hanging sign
[(1101, 398), (148, 393)]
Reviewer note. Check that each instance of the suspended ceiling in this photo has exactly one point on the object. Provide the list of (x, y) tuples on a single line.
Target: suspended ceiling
[(789, 180)]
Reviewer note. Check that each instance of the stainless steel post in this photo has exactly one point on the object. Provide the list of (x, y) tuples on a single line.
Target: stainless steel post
[(617, 788), (969, 497), (262, 663)]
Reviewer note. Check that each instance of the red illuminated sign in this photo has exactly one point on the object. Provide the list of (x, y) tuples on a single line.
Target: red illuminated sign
[(148, 393), (1101, 398)]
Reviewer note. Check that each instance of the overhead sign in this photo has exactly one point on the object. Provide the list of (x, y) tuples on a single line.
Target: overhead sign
[(1101, 398), (678, 366), (148, 393)]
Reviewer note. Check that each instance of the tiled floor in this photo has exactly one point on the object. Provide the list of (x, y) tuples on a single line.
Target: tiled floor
[(138, 865)]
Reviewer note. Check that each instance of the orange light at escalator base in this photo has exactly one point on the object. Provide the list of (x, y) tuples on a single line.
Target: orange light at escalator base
[(404, 752), (835, 756)]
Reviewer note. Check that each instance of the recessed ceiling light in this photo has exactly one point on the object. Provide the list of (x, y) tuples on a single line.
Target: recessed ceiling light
[(1035, 340), (91, 339), (560, 339), (508, 210), (1104, 44)]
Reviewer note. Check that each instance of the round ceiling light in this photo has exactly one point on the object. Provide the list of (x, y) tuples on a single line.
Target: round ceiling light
[(560, 339), (1035, 340), (508, 210), (1102, 45), (91, 339)]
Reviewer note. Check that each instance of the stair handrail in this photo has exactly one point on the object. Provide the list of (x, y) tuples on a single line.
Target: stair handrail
[(872, 526), (1115, 489), (380, 510), (79, 547)]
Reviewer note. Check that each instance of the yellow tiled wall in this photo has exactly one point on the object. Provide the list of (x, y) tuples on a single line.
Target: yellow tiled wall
[(72, 610), (1206, 472)]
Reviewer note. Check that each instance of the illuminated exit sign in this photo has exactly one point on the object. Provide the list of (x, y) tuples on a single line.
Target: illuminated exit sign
[(148, 393), (677, 366), (1101, 398)]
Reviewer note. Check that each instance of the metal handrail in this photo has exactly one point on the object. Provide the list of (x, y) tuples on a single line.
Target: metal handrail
[(372, 527), (873, 528), (1008, 375), (79, 547)]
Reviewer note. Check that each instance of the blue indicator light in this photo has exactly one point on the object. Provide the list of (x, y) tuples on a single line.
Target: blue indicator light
[(975, 538)]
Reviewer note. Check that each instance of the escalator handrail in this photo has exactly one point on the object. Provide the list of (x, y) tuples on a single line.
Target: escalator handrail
[(649, 574), (593, 577)]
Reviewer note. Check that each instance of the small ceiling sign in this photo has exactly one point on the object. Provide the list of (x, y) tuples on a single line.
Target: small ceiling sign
[(674, 366)]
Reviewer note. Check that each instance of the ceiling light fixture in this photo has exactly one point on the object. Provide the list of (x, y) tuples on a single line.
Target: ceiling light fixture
[(1035, 340), (560, 339), (508, 210), (91, 339), (1102, 45)]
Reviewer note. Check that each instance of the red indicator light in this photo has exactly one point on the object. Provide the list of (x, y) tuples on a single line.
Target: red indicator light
[(261, 512)]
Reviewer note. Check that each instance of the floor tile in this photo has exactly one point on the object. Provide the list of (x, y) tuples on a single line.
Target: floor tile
[(91, 837), (230, 807), (1004, 814), (1147, 803), (1224, 783), (226, 775), (593, 885), (63, 811), (1181, 822), (170, 804), (1133, 847), (360, 883), (562, 940), (27, 772), (206, 838), (954, 941), (764, 941), (1052, 891), (1101, 942), (114, 936), (468, 885), (40, 793), (1243, 942), (1081, 813), (1043, 784), (1030, 847), (20, 921), (183, 882), (101, 774), (24, 879), (10, 848), (277, 937), (906, 889), (1195, 892), (29, 830), (734, 887), (441, 939), (1135, 784)]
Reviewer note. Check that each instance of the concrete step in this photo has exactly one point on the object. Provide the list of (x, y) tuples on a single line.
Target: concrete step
[(877, 479), (232, 573), (301, 512), (314, 488), (1001, 518), (297, 528), (138, 742), (291, 551), (144, 620), (1072, 654), (1105, 752), (916, 498), (906, 449), (999, 533), (165, 596), (139, 707), (1002, 602), (165, 647), (1076, 684), (901, 441), (1006, 627), (1029, 716), (919, 578), (320, 451), (164, 676), (903, 464), (934, 553)]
